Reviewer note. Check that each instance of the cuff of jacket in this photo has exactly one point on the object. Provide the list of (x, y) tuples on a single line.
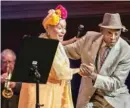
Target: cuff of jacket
[(98, 81)]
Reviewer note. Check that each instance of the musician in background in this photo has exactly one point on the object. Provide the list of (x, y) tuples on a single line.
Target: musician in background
[(8, 58)]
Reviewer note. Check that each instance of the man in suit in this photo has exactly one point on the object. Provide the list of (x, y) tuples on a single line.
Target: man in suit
[(105, 58), (8, 58)]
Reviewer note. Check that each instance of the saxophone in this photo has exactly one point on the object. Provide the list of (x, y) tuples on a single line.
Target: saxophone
[(7, 92)]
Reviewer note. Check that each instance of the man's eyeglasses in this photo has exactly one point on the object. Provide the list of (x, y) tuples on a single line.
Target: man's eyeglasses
[(8, 62)]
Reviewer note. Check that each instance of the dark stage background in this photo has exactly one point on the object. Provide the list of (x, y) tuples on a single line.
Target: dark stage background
[(24, 17)]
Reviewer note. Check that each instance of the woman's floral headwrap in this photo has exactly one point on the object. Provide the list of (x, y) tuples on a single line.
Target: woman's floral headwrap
[(54, 16)]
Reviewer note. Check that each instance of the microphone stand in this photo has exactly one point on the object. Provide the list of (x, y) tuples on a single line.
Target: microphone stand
[(37, 78)]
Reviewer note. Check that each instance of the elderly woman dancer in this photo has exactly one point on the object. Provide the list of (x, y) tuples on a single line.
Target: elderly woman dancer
[(56, 93)]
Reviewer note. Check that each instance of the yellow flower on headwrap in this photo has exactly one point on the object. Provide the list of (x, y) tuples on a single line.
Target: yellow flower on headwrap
[(58, 12), (54, 16)]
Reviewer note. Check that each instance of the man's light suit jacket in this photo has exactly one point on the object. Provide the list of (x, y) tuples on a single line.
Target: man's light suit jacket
[(112, 75)]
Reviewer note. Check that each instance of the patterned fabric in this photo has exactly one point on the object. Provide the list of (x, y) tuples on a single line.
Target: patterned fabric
[(98, 100), (104, 52)]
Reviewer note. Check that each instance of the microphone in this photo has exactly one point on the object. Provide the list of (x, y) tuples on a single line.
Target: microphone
[(34, 69), (80, 30)]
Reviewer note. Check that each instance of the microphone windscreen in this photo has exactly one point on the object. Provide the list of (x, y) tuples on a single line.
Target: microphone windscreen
[(81, 27), (80, 30)]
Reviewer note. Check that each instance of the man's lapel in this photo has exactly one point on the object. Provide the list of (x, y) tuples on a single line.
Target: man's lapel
[(95, 48), (112, 56)]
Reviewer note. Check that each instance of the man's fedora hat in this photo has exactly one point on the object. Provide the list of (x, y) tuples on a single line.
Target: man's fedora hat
[(112, 21)]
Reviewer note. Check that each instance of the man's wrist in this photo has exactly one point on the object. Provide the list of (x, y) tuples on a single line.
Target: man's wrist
[(93, 76)]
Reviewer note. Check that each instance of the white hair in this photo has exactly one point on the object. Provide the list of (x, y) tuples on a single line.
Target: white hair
[(8, 51)]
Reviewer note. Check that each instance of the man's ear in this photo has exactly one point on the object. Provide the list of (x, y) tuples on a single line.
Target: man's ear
[(101, 29)]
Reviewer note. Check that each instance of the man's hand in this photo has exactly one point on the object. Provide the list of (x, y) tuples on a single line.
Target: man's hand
[(3, 77), (88, 70), (12, 84)]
